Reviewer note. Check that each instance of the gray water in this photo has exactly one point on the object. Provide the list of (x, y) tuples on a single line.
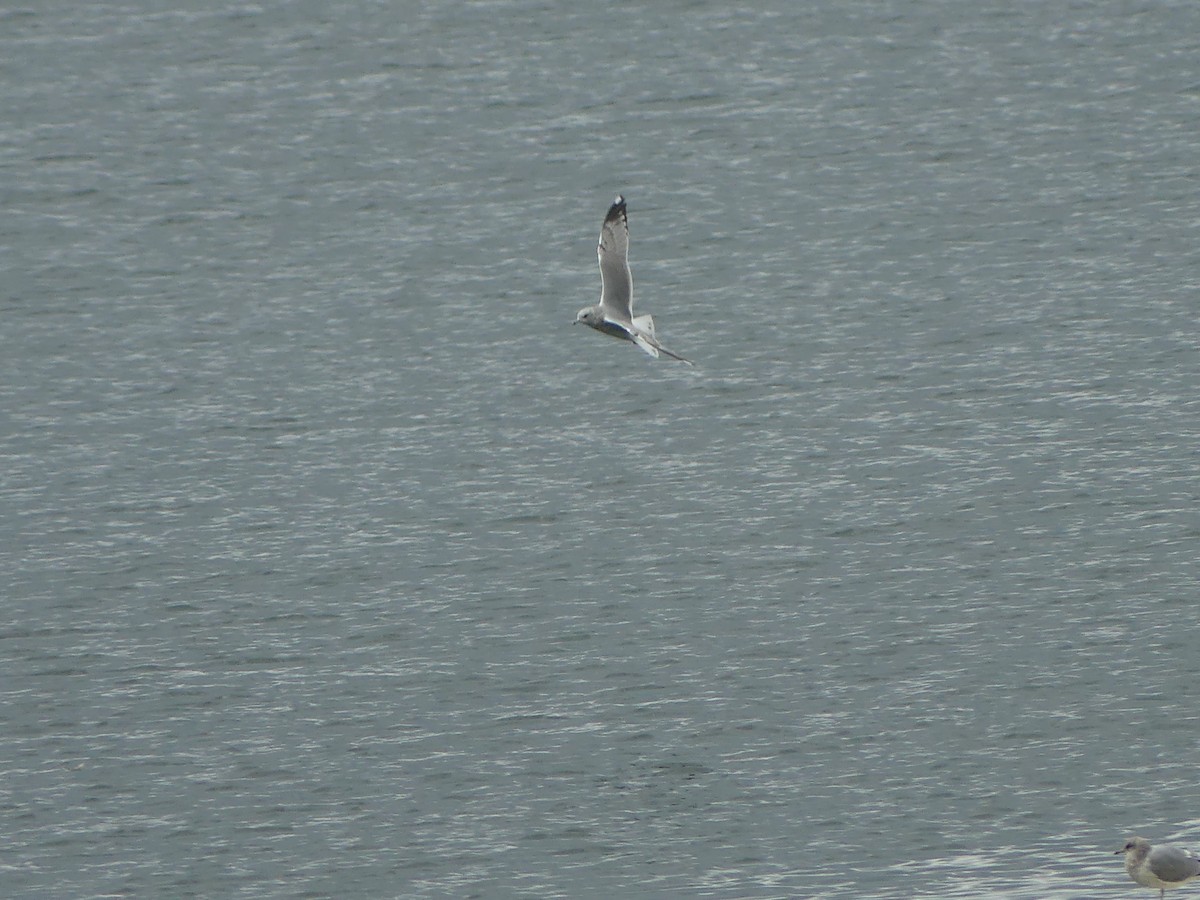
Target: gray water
[(336, 563)]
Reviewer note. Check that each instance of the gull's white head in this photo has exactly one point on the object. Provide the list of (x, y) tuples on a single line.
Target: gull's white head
[(590, 315), (1135, 850)]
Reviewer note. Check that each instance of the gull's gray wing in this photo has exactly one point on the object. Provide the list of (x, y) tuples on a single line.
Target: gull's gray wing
[(1172, 864), (616, 296)]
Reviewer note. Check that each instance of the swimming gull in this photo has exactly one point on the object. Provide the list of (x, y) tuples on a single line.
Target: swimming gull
[(613, 315), (1159, 867)]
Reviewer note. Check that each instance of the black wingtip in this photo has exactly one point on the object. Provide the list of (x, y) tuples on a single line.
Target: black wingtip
[(617, 210)]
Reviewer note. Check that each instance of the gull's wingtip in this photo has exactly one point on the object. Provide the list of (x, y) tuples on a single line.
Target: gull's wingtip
[(617, 210)]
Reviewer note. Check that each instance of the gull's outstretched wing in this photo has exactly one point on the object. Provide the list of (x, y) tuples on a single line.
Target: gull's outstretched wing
[(650, 344), (616, 297)]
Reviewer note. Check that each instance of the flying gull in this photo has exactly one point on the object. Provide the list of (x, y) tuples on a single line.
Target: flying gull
[(1159, 867), (613, 315)]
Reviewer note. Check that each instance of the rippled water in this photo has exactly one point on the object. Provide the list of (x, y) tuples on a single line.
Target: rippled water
[(337, 563)]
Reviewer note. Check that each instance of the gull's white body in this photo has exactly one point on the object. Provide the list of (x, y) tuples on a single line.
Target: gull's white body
[(613, 315), (1159, 867)]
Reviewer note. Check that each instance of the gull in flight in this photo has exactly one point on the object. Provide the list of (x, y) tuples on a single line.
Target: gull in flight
[(613, 315), (1159, 867)]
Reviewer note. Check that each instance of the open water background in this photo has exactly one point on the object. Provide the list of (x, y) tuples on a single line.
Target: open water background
[(336, 563)]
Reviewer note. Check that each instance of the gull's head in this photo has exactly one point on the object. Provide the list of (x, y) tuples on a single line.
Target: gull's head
[(1135, 849), (589, 315)]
